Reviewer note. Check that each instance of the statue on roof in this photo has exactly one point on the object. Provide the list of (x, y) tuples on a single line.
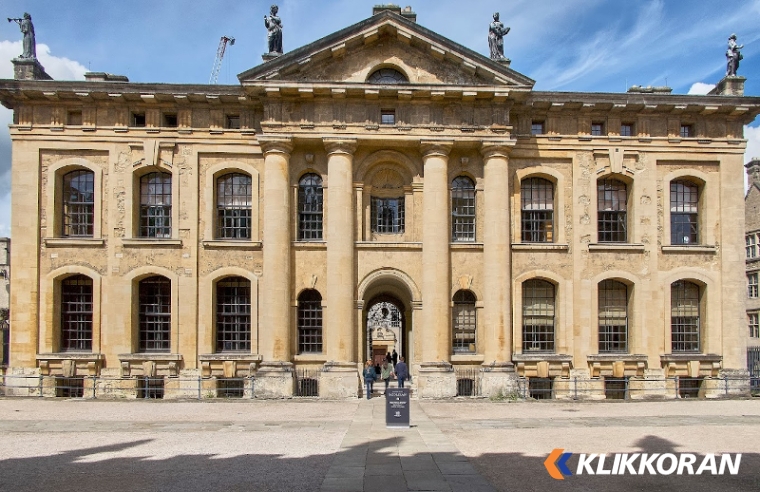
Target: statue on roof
[(274, 31), (27, 29), (733, 55), (496, 33)]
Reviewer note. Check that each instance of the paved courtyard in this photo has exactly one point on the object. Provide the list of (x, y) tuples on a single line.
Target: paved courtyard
[(467, 445)]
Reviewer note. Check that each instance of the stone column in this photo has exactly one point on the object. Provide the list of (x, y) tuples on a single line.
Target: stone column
[(498, 371), (436, 377), (274, 378), (340, 377)]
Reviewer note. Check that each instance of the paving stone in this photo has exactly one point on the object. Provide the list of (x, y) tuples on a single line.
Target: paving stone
[(384, 483), (345, 472), (375, 470), (342, 485), (456, 468)]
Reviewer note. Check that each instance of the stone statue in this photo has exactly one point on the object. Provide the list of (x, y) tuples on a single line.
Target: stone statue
[(27, 28), (733, 55), (274, 28), (496, 33)]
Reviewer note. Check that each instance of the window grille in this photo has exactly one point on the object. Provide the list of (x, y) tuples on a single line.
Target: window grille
[(537, 204), (463, 209), (751, 245), (689, 387), (616, 388), (626, 130), (69, 387), (152, 388), (387, 215), (612, 212), (155, 314), (541, 388), (310, 208), (537, 128), (684, 198), (309, 322), (156, 205), (613, 316), (78, 203), (752, 285), (233, 315), (233, 206), (76, 314), (754, 324), (464, 319), (538, 316), (684, 317), (387, 76), (230, 387)]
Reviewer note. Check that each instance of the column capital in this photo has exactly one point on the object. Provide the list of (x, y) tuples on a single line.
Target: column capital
[(340, 145), (499, 148), (439, 148), (275, 144)]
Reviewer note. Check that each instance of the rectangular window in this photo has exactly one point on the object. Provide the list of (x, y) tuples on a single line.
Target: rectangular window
[(537, 210), (541, 388), (751, 245), (388, 117), (687, 131), (684, 317), (170, 120), (76, 314), (78, 204), (537, 128), (612, 211), (753, 320), (233, 315), (69, 387), (233, 122), (626, 130), (150, 388), (230, 387), (597, 129), (387, 215), (155, 315), (74, 118), (463, 209), (684, 217), (138, 120), (752, 285)]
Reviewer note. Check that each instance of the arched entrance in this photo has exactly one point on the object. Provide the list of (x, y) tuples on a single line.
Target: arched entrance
[(385, 328)]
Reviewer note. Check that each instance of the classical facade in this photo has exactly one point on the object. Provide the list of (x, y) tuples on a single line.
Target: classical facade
[(383, 187)]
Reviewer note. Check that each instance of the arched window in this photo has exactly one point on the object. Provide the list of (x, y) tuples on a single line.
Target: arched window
[(538, 316), (613, 316), (612, 208), (155, 314), (684, 316), (309, 322), (537, 204), (76, 314), (310, 207), (78, 203), (233, 315), (684, 212), (387, 76), (462, 209), (233, 206), (464, 322), (156, 205)]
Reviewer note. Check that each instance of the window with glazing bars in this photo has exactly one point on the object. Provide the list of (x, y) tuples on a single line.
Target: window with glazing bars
[(751, 245), (754, 324), (233, 315), (76, 314), (613, 316), (537, 204), (233, 206), (78, 203), (597, 129), (537, 128), (462, 209), (626, 130), (310, 208), (686, 131), (538, 316), (684, 218), (612, 211), (684, 316), (156, 205), (309, 322), (155, 314), (464, 321), (752, 285), (387, 215)]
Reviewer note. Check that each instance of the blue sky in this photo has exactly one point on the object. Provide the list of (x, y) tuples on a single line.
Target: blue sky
[(566, 45)]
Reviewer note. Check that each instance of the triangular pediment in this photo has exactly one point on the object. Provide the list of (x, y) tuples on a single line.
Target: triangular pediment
[(387, 40)]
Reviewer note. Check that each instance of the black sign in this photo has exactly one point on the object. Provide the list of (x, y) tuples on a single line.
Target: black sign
[(397, 407)]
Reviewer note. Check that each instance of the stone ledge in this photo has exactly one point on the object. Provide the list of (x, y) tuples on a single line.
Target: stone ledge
[(697, 248), (310, 358), (466, 246), (684, 357), (468, 358), (541, 357), (54, 242), (231, 244), (235, 357), (616, 247), (150, 242), (395, 245), (309, 244), (540, 246), (616, 357), (141, 356), (78, 356)]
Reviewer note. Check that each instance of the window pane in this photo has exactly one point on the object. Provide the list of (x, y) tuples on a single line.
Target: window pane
[(309, 322), (387, 215), (684, 201), (233, 315), (76, 314), (612, 211), (310, 208), (613, 316), (537, 216), (463, 209), (156, 205), (464, 322), (233, 206), (684, 320), (155, 314), (78, 204), (538, 316)]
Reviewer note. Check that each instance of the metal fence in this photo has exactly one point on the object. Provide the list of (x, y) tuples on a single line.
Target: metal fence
[(468, 381), (307, 382), (753, 365)]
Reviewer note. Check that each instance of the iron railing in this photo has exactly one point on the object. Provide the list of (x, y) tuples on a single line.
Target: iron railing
[(468, 381), (306, 382)]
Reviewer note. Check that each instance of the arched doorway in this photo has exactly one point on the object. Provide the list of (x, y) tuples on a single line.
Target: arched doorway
[(385, 328)]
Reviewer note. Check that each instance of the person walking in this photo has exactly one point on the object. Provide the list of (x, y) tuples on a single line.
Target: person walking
[(402, 373), (394, 356), (369, 377), (385, 373)]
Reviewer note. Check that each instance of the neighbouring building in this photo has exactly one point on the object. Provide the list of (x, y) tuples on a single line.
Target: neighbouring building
[(752, 250), (381, 188)]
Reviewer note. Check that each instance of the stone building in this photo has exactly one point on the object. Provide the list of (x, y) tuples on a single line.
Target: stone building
[(752, 243), (383, 187)]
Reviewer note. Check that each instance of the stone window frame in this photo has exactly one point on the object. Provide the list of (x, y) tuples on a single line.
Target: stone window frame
[(219, 208), (553, 349), (154, 325), (559, 180), (54, 206), (144, 185), (76, 331), (753, 323), (611, 283), (752, 285), (700, 345), (462, 193), (133, 278), (705, 215), (217, 342), (627, 129), (132, 202), (318, 215), (461, 298), (629, 207), (537, 127), (207, 308), (209, 202), (750, 248), (310, 309)]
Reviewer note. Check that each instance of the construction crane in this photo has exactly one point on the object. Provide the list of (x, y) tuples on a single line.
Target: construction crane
[(219, 55)]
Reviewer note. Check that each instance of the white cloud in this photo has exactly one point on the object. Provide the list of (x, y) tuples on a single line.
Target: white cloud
[(700, 88)]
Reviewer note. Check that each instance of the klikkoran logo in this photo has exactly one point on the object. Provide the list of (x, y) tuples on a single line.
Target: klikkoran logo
[(641, 464)]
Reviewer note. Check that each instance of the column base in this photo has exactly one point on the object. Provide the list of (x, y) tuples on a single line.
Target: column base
[(274, 380), (499, 381), (339, 381), (436, 380)]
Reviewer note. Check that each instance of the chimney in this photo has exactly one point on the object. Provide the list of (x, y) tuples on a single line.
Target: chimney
[(753, 171), (406, 12)]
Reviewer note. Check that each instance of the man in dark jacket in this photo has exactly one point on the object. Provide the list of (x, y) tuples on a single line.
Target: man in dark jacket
[(402, 373)]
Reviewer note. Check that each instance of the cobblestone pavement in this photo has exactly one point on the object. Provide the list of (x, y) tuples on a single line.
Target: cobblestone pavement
[(462, 445)]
